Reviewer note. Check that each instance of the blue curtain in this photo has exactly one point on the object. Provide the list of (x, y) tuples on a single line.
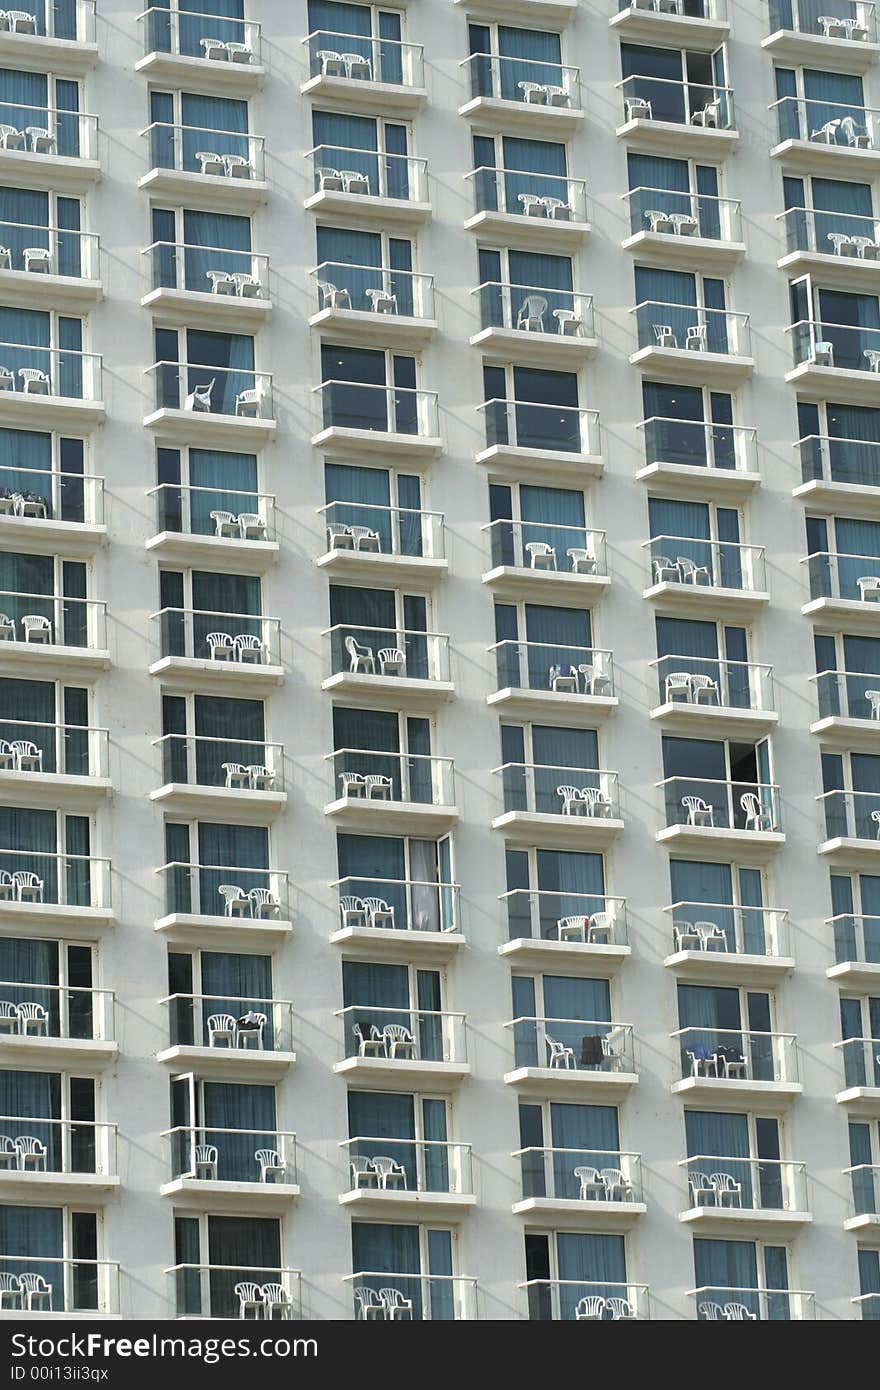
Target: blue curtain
[(22, 450), (31, 1239), (228, 1106), (24, 98), (29, 964), (727, 1264), (561, 636), (28, 331), (833, 96), (232, 353), (228, 239), (669, 298), (216, 595), (213, 124), (530, 157), (666, 187), (855, 540), (365, 857), (36, 833), (852, 323), (589, 1264), (347, 143), (24, 212), (725, 1136), (244, 848), (869, 1283), (389, 1250), (704, 884), (32, 1096), (231, 480), (857, 425), (863, 1182), (348, 486), (561, 757), (355, 264), (593, 1130), (687, 523), (845, 205), (220, 23), (250, 1248), (374, 1117), (538, 55)]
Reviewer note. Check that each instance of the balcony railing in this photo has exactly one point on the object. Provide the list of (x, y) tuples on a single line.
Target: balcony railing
[(843, 19), (209, 1291), (865, 1182), (359, 58), (67, 880), (407, 1165), (374, 530), (856, 938), (573, 1044), (41, 249), (361, 774), (699, 104), (709, 683), (587, 918), (228, 391), (379, 1296), (195, 35), (73, 750), (399, 904), (723, 1303), (560, 429), (559, 791), (373, 289), (728, 928), (50, 371), (553, 666), (850, 694), (524, 80), (203, 1020), (853, 815), (355, 405), (587, 1175), (867, 1306), (746, 806), (369, 173), (58, 1146), (736, 1054), (577, 1300), (684, 214), (262, 895), (700, 444), (692, 327), (546, 198), (842, 234), (855, 578), (827, 460), (62, 1011), (388, 652), (45, 131), (544, 546), (74, 1286), (535, 309), (261, 1156), (841, 125), (230, 513), (231, 763), (835, 345), (428, 1035), (691, 9), (697, 563), (861, 1061), (745, 1184), (220, 271), (71, 20), (51, 494), (187, 633), (196, 150), (60, 620)]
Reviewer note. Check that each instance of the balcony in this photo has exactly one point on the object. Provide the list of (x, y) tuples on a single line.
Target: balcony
[(237, 1039), (366, 541), (215, 1169), (399, 919), (51, 38), (532, 325), (832, 138), (219, 170), (734, 1197), (727, 1304), (48, 511), (358, 73), (183, 47), (255, 908), (840, 473), (377, 664), (228, 527), (509, 94), (708, 817), (596, 1189), (208, 1291), (847, 702), (555, 806), (374, 304), (687, 230), (42, 266), (706, 577), (391, 1049), (40, 889), (240, 779), (578, 1300), (700, 458), (554, 929), (50, 149), (78, 1289), (690, 343), (543, 678), (205, 406), (836, 360), (385, 793), (845, 40), (44, 764), (845, 587), (852, 828), (731, 1066), (704, 695), (681, 118), (407, 1178), (861, 1069), (840, 248), (216, 651), (856, 949), (369, 419), (370, 184), (51, 388), (206, 286), (528, 439), (535, 209), (539, 560), (698, 25), (52, 634), (717, 943), (864, 1209), (43, 1160), (572, 1059), (57, 1025), (379, 1296)]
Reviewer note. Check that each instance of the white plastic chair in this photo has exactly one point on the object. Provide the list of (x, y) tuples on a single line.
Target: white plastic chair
[(28, 886), (357, 66), (856, 136), (221, 281), (234, 899), (531, 314), (597, 803), (354, 181), (399, 1039), (373, 1044), (664, 336), (249, 647), (389, 1171), (362, 658), (42, 140), (396, 1305), (275, 1296), (869, 588), (332, 63), (710, 1312), (378, 911), (702, 1187), (710, 115), (591, 1181), (873, 698), (33, 1019), (263, 903), (690, 571), (239, 52), (10, 1289), (205, 1158), (225, 523), (738, 1312), (696, 338), (382, 301), (26, 755), (873, 359), (590, 1309), (215, 49), (601, 925), (220, 1027), (363, 1174), (569, 323), (392, 661), (685, 934), (704, 686), (842, 244), (685, 224), (727, 1188), (251, 526), (561, 1057), (8, 1022), (532, 205), (364, 538), (573, 800), (698, 810), (621, 1309), (247, 286), (250, 401), (271, 1166), (235, 166), (757, 816), (573, 928), (660, 222), (353, 784), (333, 297), (638, 109), (33, 381), (37, 258), (678, 683), (221, 646), (352, 911), (330, 181), (250, 1296), (31, 1153), (368, 1304), (583, 561), (199, 398), (541, 555), (564, 677), (209, 162), (35, 1290), (11, 138), (378, 786), (533, 93), (260, 778)]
